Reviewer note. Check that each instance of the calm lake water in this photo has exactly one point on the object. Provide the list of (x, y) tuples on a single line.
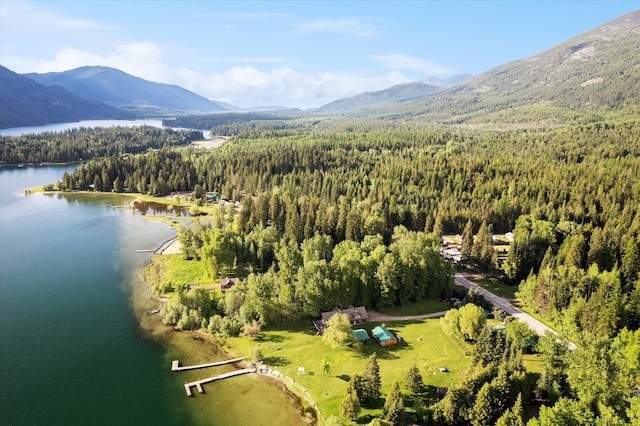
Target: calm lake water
[(72, 351), (59, 127)]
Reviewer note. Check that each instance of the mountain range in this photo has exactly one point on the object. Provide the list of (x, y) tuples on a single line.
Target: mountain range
[(397, 94), (119, 89), (592, 73), (393, 95), (23, 102), (595, 71)]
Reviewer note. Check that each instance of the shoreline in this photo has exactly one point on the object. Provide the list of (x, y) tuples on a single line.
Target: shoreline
[(194, 347), (190, 347)]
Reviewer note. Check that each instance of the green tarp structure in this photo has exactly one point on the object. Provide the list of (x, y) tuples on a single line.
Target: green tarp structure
[(361, 334), (384, 336)]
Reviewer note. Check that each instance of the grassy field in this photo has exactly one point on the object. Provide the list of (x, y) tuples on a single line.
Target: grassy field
[(174, 269), (533, 363), (423, 343), (496, 287)]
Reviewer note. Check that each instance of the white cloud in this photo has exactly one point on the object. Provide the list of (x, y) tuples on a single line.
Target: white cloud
[(141, 59), (240, 85), (339, 26), (247, 60), (22, 18), (284, 86), (398, 61)]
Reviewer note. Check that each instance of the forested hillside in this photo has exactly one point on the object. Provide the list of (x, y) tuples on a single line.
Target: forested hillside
[(119, 89), (584, 77), (24, 102), (393, 95)]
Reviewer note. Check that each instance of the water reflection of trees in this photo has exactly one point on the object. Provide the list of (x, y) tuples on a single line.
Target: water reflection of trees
[(158, 209)]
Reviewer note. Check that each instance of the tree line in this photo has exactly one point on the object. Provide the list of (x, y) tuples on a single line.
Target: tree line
[(285, 281), (89, 143)]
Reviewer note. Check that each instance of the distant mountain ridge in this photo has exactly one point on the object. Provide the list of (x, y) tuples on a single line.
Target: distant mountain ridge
[(597, 69), (447, 82), (393, 95), (24, 102), (119, 89)]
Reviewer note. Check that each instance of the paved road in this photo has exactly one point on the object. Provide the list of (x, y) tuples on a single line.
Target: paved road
[(504, 304)]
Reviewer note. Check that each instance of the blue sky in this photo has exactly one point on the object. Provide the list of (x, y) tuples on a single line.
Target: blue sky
[(289, 53)]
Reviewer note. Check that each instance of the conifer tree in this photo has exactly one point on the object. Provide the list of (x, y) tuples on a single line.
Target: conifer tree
[(413, 381), (467, 240), (350, 406), (371, 382), (394, 406)]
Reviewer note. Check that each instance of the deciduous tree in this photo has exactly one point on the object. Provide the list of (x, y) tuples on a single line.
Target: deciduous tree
[(338, 331)]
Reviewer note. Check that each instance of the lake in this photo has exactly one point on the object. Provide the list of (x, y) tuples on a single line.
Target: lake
[(71, 351), (60, 127), (74, 348)]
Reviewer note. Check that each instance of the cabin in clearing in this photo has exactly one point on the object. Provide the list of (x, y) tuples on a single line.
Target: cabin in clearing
[(356, 315)]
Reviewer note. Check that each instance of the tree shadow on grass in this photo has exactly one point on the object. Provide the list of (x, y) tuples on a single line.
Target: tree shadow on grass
[(382, 352), (366, 419), (276, 361), (275, 338)]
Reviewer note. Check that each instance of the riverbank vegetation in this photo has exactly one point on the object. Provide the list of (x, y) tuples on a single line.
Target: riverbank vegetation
[(332, 213)]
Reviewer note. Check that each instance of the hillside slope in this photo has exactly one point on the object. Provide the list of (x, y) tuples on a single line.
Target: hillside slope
[(393, 95), (119, 89), (24, 102), (596, 70)]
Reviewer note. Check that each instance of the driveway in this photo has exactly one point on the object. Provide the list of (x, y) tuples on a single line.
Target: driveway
[(504, 304)]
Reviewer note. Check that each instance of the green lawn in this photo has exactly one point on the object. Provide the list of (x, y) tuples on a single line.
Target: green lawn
[(423, 343), (496, 287), (175, 269), (533, 363), (424, 307)]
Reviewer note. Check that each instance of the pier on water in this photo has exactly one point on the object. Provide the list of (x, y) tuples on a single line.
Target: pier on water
[(198, 383), (175, 365)]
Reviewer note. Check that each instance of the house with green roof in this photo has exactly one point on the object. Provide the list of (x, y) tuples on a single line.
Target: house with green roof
[(384, 336)]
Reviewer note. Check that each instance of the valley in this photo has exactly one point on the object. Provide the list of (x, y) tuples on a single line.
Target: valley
[(289, 219)]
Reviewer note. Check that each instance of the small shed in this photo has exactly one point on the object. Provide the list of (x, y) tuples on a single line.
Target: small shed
[(361, 335), (384, 336)]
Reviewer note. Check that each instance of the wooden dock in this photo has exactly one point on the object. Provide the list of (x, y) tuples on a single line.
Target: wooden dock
[(198, 383), (175, 365)]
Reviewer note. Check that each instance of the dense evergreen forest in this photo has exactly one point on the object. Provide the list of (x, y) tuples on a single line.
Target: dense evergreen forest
[(84, 144), (324, 214), (233, 123)]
